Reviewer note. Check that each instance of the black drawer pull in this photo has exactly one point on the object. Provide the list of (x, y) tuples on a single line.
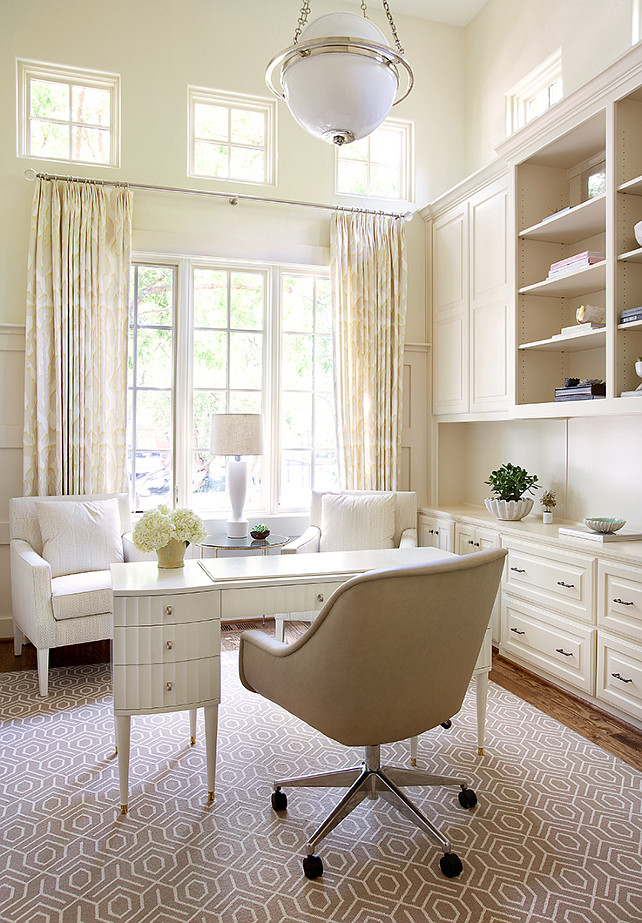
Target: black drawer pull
[(470, 541), (560, 650), (622, 602), (569, 586), (621, 678), (518, 570), (518, 632)]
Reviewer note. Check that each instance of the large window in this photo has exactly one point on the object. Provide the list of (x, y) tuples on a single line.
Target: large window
[(68, 114), (211, 338), (379, 166), (231, 136)]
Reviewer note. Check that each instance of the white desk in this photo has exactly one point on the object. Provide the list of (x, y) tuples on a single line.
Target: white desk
[(167, 638)]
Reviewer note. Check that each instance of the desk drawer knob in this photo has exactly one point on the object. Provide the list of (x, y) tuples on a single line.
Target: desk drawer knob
[(169, 610), (560, 650), (518, 632), (320, 597), (622, 602), (169, 686), (169, 645), (569, 586), (621, 678), (518, 570)]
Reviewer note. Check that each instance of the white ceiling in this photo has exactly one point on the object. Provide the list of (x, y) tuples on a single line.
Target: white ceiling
[(453, 12)]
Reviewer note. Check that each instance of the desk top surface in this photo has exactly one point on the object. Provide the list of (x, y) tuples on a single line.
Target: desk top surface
[(146, 578)]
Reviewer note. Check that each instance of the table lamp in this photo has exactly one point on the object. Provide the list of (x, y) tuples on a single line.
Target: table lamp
[(234, 435)]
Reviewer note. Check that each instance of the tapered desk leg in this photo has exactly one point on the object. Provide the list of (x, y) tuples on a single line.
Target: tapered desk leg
[(481, 695), (192, 727), (211, 726), (123, 726)]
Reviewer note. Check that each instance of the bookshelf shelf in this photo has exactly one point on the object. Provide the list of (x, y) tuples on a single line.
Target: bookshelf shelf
[(633, 256), (582, 221), (572, 343), (574, 283), (632, 186)]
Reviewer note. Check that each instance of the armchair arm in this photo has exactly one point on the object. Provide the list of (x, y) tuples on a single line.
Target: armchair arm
[(408, 538), (132, 553), (31, 594), (259, 649), (308, 541)]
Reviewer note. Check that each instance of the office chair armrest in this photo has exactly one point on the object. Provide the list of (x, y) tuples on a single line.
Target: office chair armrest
[(408, 538), (307, 542), (260, 648)]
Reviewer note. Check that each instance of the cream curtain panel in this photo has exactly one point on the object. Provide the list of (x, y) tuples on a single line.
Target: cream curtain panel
[(76, 339), (369, 284)]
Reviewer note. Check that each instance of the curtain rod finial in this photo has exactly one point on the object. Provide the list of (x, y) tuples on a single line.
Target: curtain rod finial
[(30, 174)]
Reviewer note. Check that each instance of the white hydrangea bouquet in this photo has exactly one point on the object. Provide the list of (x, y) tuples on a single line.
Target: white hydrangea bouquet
[(156, 528)]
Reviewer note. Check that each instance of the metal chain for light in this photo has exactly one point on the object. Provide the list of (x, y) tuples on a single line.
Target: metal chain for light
[(393, 28), (303, 18)]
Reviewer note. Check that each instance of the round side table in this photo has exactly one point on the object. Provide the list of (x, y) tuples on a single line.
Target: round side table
[(222, 542)]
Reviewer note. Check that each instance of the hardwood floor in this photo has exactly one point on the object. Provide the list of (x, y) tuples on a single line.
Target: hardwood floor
[(612, 735)]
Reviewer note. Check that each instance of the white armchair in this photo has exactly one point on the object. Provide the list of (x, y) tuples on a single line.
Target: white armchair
[(353, 520), (61, 549)]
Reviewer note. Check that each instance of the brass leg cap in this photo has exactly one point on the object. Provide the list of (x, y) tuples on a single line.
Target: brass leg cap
[(413, 762), (123, 809), (480, 751), (192, 741), (210, 797)]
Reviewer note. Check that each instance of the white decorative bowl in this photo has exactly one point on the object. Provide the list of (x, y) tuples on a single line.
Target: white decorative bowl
[(604, 525), (637, 230), (507, 510)]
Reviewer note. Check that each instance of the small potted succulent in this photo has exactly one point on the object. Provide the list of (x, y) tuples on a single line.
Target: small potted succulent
[(509, 484), (260, 532), (549, 502)]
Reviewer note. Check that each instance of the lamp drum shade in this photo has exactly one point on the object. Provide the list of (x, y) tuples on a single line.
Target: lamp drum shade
[(236, 434)]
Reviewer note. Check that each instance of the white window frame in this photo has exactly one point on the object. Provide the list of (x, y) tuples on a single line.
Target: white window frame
[(69, 76), (407, 178), (182, 388), (541, 78), (230, 101)]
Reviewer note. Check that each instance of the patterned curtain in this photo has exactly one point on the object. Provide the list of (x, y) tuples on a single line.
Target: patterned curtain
[(369, 281), (76, 339)]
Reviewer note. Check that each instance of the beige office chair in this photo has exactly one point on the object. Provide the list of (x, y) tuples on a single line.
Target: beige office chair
[(389, 656)]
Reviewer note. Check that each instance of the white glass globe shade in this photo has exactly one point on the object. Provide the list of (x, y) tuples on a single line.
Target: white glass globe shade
[(340, 96)]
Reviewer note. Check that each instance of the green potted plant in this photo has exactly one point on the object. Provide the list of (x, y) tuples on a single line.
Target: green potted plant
[(509, 485), (260, 532)]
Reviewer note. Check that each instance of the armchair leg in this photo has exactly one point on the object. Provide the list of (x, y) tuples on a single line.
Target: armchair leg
[(43, 670), (18, 640)]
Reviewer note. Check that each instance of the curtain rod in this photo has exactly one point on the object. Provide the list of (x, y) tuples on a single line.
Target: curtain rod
[(234, 199)]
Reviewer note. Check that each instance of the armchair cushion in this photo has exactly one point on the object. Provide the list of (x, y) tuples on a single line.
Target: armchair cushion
[(75, 595), (79, 536), (353, 522)]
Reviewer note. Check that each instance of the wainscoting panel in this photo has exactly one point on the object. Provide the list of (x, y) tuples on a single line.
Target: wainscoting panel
[(12, 349)]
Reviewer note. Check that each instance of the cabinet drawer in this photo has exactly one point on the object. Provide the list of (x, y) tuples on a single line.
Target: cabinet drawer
[(559, 579), (167, 643), (619, 673), (549, 643), (271, 600), (131, 611), (619, 605), (159, 687)]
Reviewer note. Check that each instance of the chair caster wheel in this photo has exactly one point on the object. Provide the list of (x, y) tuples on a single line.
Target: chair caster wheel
[(450, 865), (447, 724), (279, 800), (313, 867), (467, 798)]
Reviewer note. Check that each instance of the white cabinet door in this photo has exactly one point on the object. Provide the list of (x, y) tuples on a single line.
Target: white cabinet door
[(435, 532), (468, 540), (450, 311)]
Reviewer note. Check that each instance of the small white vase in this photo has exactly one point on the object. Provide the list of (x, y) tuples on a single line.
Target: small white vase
[(509, 510), (547, 517)]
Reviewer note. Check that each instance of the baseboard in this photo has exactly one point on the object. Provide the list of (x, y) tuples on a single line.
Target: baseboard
[(6, 628)]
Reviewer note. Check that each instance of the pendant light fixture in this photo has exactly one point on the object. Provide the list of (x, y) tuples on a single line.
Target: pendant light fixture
[(340, 77)]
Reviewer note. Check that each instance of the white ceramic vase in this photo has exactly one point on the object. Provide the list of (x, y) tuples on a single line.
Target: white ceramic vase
[(506, 510)]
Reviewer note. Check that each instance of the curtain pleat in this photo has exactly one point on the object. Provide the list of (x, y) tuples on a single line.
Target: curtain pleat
[(369, 287), (76, 339)]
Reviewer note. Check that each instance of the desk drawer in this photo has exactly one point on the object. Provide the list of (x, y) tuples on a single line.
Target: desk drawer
[(619, 673), (167, 643), (558, 579), (132, 611), (146, 688), (551, 644), (272, 600), (619, 606)]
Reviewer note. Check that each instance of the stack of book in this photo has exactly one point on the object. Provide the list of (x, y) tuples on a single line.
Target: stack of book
[(582, 392), (630, 314), (572, 263), (577, 329)]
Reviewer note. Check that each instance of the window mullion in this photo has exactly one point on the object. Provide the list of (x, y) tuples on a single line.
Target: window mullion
[(182, 406), (272, 389)]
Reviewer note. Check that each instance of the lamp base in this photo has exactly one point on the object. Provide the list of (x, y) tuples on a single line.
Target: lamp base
[(237, 528)]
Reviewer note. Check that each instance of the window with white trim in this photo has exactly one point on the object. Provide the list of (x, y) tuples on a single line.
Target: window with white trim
[(210, 337), (380, 165), (536, 93), (231, 136), (68, 114)]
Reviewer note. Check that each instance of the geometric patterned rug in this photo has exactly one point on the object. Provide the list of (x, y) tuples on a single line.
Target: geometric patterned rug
[(556, 835)]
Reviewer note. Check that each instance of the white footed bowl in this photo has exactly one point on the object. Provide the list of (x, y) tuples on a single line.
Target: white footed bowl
[(508, 510), (637, 230), (604, 525)]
